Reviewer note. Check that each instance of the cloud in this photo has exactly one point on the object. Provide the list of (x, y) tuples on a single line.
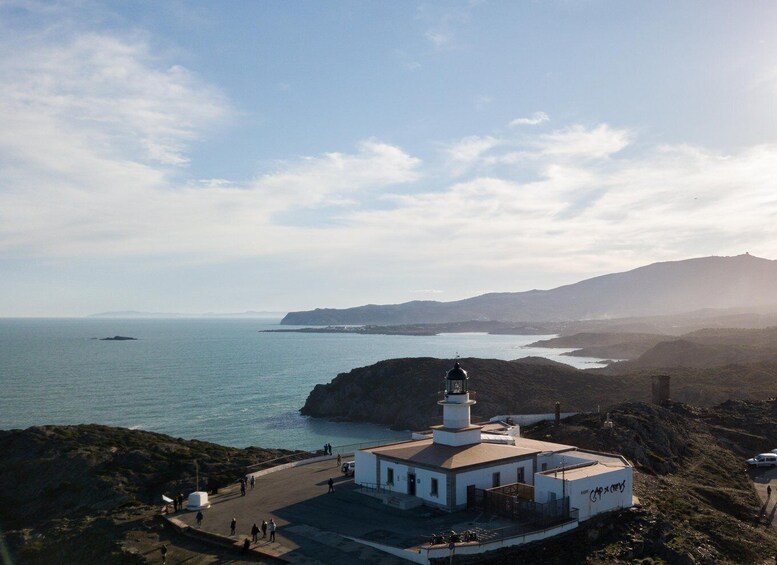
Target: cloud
[(471, 148), (600, 141), (533, 120), (437, 38), (106, 92), (587, 215), (95, 134), (482, 102)]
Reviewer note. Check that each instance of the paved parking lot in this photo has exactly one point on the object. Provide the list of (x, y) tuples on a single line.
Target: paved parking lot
[(313, 523)]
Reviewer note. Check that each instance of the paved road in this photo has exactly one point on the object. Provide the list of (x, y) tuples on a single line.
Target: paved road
[(312, 523)]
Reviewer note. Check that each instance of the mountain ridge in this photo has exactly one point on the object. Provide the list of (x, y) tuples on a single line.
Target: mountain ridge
[(663, 288)]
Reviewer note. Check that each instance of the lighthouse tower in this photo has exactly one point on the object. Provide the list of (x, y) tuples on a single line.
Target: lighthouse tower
[(456, 429)]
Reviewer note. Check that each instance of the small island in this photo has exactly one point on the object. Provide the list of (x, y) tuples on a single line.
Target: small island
[(119, 338)]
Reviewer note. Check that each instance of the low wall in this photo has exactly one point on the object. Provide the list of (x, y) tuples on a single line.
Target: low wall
[(224, 541), (425, 553), (529, 419), (293, 464)]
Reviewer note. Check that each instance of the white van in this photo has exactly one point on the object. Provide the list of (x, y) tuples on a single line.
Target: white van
[(350, 466), (763, 460)]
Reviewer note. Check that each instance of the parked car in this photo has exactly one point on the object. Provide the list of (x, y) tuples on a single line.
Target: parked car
[(774, 450), (763, 460), (349, 467)]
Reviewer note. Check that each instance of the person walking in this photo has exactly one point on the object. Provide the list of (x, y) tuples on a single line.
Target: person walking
[(253, 481), (272, 529), (242, 488), (331, 484), (339, 460), (232, 526), (264, 529), (769, 491), (199, 519), (163, 550), (255, 533), (180, 501)]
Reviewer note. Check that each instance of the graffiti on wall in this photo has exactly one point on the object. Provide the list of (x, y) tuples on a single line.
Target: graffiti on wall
[(597, 493)]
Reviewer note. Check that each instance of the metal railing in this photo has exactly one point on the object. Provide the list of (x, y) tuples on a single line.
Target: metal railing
[(443, 395), (518, 509), (376, 488)]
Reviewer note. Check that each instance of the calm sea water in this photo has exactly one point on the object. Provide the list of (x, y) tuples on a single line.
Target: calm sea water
[(216, 380)]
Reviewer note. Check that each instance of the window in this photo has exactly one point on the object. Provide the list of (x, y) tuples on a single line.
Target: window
[(495, 480), (520, 475), (434, 488), (544, 466), (389, 476)]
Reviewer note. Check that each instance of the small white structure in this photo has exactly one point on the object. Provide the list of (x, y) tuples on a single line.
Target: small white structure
[(444, 470), (198, 501)]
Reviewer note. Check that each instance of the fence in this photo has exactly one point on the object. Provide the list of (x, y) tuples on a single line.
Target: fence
[(508, 501)]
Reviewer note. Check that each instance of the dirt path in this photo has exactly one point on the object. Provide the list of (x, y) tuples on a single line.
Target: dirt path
[(762, 480)]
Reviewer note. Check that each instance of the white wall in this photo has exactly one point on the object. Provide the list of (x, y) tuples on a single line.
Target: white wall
[(590, 495), (423, 484), (366, 468), (483, 478)]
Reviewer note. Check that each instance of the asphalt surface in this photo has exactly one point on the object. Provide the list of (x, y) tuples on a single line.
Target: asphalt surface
[(313, 524)]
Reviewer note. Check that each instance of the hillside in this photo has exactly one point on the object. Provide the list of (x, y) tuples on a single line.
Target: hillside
[(605, 345), (703, 349), (697, 499), (88, 494), (80, 494), (665, 288), (403, 393)]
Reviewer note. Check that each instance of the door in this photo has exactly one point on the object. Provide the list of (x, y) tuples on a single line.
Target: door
[(411, 484)]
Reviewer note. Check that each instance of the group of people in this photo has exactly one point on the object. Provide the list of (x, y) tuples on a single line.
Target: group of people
[(327, 449), (266, 526), (271, 526), (245, 481), (178, 502)]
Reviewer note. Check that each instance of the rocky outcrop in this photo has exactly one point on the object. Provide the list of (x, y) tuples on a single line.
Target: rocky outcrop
[(403, 393)]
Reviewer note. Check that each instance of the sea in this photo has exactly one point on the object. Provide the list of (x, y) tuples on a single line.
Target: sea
[(221, 380)]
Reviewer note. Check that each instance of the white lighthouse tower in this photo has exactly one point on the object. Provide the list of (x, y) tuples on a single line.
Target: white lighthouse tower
[(456, 429)]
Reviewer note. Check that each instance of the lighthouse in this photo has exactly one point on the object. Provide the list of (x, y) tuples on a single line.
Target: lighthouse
[(456, 429)]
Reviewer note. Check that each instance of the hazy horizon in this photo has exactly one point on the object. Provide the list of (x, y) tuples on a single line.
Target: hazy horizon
[(202, 157)]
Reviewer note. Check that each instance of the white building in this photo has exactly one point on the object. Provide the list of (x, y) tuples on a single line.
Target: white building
[(446, 470)]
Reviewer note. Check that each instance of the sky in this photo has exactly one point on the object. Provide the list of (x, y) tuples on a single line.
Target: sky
[(273, 156)]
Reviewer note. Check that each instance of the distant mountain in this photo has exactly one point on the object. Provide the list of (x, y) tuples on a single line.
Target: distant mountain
[(669, 288), (169, 315)]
